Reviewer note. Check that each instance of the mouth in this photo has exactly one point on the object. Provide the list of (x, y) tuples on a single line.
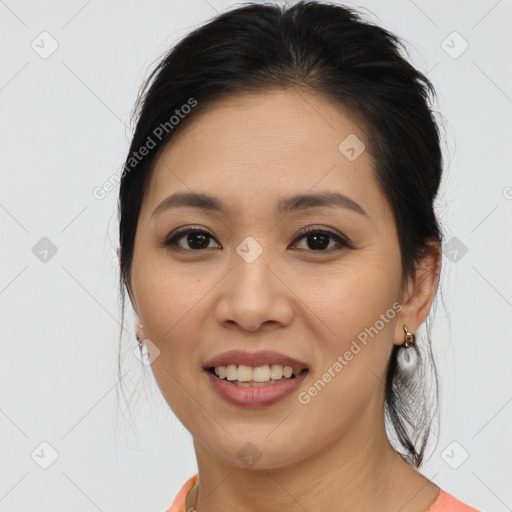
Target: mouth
[(256, 376), (255, 379)]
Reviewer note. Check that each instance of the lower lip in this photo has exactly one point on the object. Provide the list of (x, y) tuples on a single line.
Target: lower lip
[(255, 396)]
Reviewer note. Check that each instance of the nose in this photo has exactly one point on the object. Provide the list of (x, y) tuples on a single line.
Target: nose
[(253, 294)]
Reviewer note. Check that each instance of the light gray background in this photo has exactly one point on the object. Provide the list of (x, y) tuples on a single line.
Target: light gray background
[(64, 130)]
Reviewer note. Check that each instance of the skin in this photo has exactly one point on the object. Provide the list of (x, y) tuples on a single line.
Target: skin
[(331, 454)]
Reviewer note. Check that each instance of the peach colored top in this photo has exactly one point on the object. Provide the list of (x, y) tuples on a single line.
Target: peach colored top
[(444, 503)]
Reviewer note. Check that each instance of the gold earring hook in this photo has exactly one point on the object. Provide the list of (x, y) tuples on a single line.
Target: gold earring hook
[(409, 337)]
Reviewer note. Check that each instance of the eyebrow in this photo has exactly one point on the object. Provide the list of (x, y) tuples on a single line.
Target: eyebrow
[(291, 204)]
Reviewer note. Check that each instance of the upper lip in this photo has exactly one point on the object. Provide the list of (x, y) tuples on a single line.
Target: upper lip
[(253, 359)]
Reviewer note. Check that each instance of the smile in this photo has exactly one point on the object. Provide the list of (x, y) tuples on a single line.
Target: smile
[(245, 375)]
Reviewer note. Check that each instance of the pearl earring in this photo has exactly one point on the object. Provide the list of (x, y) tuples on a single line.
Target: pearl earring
[(407, 358)]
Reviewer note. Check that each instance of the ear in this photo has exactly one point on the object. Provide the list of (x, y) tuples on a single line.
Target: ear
[(419, 292)]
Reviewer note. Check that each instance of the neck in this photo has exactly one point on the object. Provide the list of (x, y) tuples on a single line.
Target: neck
[(356, 471)]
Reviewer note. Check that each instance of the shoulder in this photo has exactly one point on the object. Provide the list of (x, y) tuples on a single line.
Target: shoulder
[(445, 502), (178, 505)]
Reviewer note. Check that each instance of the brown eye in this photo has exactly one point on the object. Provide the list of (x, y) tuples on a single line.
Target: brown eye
[(318, 240), (195, 239)]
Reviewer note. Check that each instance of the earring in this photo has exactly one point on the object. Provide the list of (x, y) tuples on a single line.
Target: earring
[(141, 343), (407, 359)]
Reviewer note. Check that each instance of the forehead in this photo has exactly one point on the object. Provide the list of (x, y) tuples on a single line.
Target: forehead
[(290, 124), (265, 146)]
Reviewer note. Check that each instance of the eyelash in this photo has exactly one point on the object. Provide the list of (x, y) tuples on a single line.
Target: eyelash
[(343, 242)]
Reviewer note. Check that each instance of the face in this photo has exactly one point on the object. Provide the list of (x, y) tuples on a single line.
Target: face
[(249, 279)]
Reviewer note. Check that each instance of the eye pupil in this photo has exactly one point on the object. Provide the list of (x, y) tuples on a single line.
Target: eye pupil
[(193, 237), (316, 237)]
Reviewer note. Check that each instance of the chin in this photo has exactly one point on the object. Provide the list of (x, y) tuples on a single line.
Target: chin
[(256, 452)]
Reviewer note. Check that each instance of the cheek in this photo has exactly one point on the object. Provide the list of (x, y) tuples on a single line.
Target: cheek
[(168, 310), (360, 309), (354, 352), (170, 302), (166, 295)]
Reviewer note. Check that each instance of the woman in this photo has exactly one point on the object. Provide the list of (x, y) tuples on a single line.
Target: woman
[(280, 248)]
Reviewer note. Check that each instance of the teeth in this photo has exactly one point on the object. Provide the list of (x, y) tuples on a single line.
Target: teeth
[(244, 373), (259, 374), (276, 371), (231, 372)]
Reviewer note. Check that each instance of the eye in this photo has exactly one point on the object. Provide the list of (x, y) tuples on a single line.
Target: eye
[(318, 239), (197, 239)]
